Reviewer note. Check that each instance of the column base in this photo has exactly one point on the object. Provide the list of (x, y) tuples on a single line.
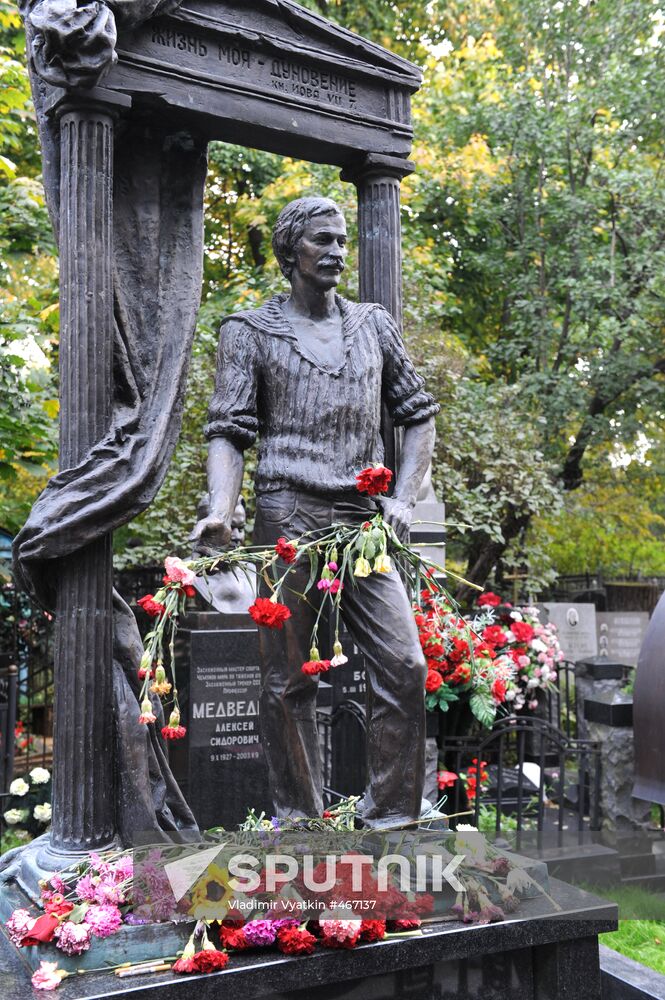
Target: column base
[(37, 861)]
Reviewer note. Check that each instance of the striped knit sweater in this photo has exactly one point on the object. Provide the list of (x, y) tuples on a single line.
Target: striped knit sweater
[(317, 427)]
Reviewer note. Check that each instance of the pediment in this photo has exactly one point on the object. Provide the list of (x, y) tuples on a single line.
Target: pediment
[(299, 83), (287, 27)]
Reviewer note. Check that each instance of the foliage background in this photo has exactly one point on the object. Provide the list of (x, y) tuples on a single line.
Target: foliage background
[(534, 249)]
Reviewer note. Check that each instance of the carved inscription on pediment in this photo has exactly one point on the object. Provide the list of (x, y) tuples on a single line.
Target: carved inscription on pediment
[(285, 75), (246, 63)]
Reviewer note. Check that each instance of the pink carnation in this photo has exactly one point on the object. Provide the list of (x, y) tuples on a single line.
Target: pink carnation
[(85, 888), (47, 976), (260, 933), (106, 891), (18, 925), (124, 868), (177, 570), (72, 938), (340, 930), (103, 920)]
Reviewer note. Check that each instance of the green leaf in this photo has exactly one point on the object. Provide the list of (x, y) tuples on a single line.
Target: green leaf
[(484, 708), (313, 570)]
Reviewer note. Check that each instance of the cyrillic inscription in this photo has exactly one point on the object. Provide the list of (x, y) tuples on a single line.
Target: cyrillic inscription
[(182, 41), (318, 85), (284, 75)]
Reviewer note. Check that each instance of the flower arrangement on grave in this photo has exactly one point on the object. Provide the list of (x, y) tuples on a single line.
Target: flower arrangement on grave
[(29, 803), (97, 898), (462, 663), (90, 900), (532, 645), (336, 557)]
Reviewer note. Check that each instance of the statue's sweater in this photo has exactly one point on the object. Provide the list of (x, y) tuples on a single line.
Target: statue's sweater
[(317, 427)]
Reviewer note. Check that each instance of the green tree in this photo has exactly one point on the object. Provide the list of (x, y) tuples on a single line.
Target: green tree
[(28, 292), (540, 145)]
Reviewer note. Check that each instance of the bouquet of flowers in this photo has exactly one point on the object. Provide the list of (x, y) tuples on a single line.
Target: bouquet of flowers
[(335, 556), (462, 661), (532, 646)]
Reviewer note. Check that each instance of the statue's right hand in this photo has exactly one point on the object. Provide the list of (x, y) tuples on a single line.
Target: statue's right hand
[(210, 535)]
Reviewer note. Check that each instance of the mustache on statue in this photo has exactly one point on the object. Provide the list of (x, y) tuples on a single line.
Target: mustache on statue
[(332, 262)]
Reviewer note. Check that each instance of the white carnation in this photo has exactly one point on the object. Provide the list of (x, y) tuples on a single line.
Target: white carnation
[(517, 880), (42, 813), (40, 776), (14, 816), (19, 787)]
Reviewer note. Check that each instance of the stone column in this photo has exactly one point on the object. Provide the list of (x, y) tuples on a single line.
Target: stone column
[(378, 181), (83, 754)]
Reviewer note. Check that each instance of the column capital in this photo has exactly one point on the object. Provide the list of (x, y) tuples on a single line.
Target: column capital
[(378, 165), (98, 99)]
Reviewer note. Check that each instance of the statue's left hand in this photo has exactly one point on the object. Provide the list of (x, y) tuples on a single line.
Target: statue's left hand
[(397, 514)]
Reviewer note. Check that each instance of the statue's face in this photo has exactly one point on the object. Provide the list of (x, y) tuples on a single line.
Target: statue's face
[(321, 252)]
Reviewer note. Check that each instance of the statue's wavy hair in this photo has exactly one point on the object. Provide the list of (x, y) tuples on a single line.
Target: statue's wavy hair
[(291, 224)]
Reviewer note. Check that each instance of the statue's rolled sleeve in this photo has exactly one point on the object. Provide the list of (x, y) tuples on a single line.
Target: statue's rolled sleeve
[(233, 413), (403, 388)]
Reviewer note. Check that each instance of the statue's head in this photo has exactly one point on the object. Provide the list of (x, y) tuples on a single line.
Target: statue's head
[(310, 235)]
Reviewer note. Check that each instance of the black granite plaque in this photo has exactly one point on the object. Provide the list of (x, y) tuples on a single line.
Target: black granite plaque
[(221, 764), (348, 768)]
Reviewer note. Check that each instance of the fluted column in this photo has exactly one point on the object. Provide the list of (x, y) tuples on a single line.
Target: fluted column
[(378, 181), (83, 757)]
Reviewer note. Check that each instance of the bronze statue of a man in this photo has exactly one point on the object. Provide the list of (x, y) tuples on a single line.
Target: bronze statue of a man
[(308, 372)]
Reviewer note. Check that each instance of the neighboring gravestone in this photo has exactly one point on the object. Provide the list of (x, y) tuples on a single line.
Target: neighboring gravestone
[(621, 633), (220, 766), (428, 533), (604, 713), (576, 628)]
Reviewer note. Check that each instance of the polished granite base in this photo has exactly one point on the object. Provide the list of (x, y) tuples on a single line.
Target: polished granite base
[(534, 955)]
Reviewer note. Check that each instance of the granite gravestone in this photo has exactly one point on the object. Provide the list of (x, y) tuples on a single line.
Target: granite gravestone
[(221, 767), (576, 628), (621, 633)]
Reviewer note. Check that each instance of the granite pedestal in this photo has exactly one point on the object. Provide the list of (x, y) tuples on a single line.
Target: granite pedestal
[(533, 955)]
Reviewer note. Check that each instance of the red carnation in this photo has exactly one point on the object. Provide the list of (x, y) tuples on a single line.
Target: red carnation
[(272, 614), (372, 930), (210, 960), (445, 779), (313, 667), (174, 732), (55, 902), (151, 606), (522, 631), (286, 550), (404, 925), (489, 600), (295, 941), (41, 931), (433, 681), (494, 635), (374, 480), (233, 937), (183, 965), (499, 690)]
